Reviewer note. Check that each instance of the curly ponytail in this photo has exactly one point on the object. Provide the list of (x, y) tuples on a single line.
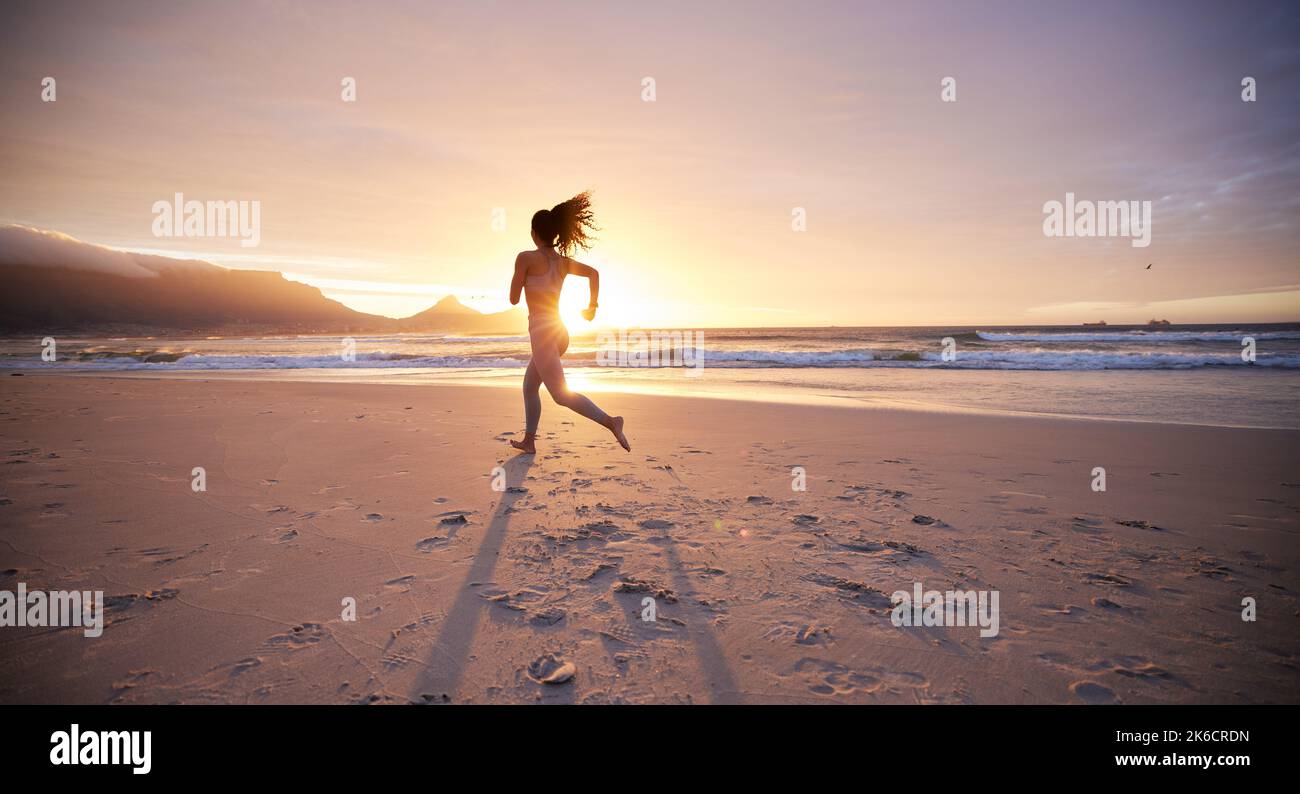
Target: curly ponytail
[(567, 225)]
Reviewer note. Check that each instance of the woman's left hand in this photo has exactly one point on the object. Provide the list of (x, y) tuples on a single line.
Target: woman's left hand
[(589, 313)]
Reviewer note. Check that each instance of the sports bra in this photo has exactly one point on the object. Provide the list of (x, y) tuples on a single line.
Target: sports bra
[(550, 281)]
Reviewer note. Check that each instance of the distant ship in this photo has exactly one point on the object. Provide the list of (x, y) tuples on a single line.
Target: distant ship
[(1098, 324), (1159, 322)]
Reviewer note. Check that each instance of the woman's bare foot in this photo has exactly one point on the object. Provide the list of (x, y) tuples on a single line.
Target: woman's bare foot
[(526, 446), (616, 427)]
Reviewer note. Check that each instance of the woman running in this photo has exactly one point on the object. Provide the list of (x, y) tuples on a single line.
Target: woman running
[(539, 274)]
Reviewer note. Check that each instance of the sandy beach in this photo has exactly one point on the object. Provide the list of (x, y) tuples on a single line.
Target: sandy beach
[(321, 492)]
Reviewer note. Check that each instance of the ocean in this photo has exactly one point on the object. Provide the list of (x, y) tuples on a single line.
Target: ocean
[(1193, 374)]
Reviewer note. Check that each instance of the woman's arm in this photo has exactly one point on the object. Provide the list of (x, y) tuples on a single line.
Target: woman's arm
[(593, 280), (517, 283)]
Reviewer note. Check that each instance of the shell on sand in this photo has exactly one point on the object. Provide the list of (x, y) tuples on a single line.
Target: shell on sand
[(551, 669)]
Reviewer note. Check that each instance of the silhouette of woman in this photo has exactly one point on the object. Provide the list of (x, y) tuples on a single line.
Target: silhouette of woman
[(539, 274)]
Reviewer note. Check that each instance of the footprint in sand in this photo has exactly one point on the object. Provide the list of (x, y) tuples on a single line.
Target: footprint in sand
[(547, 616), (244, 665), (813, 635), (1137, 667), (669, 471), (1211, 567), (396, 661), (601, 568), (799, 634), (1139, 524), (430, 544), (131, 599), (1093, 693), (298, 637), (872, 597), (886, 548), (1112, 579), (844, 682), (1062, 610), (133, 679), (832, 678), (634, 585), (1087, 527), (620, 633)]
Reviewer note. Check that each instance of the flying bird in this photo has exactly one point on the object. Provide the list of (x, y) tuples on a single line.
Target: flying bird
[(1149, 266)]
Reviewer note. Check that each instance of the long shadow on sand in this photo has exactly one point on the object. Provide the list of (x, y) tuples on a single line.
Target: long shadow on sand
[(447, 659), (712, 661), (446, 663)]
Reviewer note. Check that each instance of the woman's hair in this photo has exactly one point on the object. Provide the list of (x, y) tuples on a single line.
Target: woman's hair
[(567, 225)]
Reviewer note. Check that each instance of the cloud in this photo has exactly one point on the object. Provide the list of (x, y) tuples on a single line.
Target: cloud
[(25, 245), (1274, 305)]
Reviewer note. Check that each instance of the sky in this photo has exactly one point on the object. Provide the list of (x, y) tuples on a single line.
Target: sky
[(917, 211)]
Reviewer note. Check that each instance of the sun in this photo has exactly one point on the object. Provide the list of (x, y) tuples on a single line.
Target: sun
[(572, 302), (617, 308)]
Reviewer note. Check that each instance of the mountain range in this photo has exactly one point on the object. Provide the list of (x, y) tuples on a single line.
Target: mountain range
[(52, 283)]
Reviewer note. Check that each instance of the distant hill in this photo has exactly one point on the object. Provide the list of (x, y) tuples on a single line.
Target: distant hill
[(50, 299), (51, 283), (449, 315), (449, 306)]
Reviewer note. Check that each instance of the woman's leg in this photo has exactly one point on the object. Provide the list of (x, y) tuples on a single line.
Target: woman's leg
[(532, 408), (551, 370), (532, 399)]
